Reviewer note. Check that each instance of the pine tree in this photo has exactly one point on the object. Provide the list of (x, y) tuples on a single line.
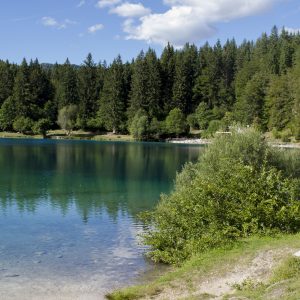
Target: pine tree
[(279, 103), (145, 85), (66, 85), (7, 74), (113, 97), (23, 98), (41, 89), (186, 71), (88, 91), (168, 73)]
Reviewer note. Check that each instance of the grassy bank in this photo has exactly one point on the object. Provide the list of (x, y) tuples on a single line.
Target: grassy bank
[(254, 268), (75, 135)]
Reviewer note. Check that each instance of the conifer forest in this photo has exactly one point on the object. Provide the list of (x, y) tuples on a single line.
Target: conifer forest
[(208, 88)]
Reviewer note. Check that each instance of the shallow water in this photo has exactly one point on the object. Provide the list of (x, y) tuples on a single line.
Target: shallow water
[(68, 213)]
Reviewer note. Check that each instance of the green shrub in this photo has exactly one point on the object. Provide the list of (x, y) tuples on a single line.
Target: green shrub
[(41, 127), (175, 122), (67, 117), (192, 121), (213, 127), (286, 135), (139, 126), (276, 134), (22, 124), (235, 190)]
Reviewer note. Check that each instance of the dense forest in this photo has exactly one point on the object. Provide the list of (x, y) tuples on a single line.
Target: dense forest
[(210, 88)]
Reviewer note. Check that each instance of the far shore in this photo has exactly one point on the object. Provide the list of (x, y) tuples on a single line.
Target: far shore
[(84, 135)]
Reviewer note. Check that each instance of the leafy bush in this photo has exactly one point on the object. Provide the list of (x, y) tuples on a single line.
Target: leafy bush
[(286, 135), (67, 117), (22, 124), (175, 122), (213, 127), (203, 115), (139, 125), (235, 190), (192, 121), (41, 127)]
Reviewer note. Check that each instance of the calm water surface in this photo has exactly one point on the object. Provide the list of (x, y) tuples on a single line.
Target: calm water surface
[(68, 211)]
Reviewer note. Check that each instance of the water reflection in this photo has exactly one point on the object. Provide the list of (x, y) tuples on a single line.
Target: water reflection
[(116, 177)]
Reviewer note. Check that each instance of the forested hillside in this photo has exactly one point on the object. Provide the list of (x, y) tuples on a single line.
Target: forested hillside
[(255, 83)]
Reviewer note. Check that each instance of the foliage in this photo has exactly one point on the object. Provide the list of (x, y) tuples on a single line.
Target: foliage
[(203, 115), (7, 114), (41, 127), (22, 124), (67, 117), (213, 127), (113, 98), (139, 125), (175, 122), (192, 121), (235, 190)]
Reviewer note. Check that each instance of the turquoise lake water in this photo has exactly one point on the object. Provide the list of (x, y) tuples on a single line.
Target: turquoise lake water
[(68, 211)]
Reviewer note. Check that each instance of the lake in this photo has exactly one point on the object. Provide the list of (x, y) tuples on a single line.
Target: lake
[(68, 213)]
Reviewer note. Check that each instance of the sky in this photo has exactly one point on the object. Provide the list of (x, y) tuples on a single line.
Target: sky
[(53, 30)]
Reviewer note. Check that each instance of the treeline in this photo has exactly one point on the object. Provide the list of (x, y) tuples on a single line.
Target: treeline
[(256, 83)]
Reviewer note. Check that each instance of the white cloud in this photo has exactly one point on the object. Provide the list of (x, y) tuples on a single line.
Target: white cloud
[(95, 28), (51, 22), (81, 3), (292, 30), (191, 20), (107, 3), (131, 10), (48, 21)]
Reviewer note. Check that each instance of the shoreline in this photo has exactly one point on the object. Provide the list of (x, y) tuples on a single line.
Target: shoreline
[(78, 135)]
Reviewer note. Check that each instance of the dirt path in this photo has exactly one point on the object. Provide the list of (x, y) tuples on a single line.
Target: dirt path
[(218, 284)]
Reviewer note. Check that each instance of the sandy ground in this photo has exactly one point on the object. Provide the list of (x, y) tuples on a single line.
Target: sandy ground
[(216, 285)]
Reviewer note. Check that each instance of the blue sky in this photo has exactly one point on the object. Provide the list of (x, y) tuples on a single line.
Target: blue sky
[(53, 30)]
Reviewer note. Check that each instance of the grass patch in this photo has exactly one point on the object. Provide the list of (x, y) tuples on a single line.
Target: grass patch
[(218, 262), (284, 284), (17, 135), (75, 135)]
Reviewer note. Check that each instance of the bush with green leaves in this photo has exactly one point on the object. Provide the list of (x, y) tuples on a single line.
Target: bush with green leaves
[(139, 125), (235, 190), (22, 124), (213, 127), (192, 121), (41, 127), (175, 122), (67, 117)]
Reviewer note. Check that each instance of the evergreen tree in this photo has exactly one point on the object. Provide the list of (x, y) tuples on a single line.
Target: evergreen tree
[(113, 97), (41, 89), (250, 106), (279, 103), (66, 85), (274, 52), (88, 91), (146, 85), (22, 95), (186, 70), (168, 73), (7, 75)]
